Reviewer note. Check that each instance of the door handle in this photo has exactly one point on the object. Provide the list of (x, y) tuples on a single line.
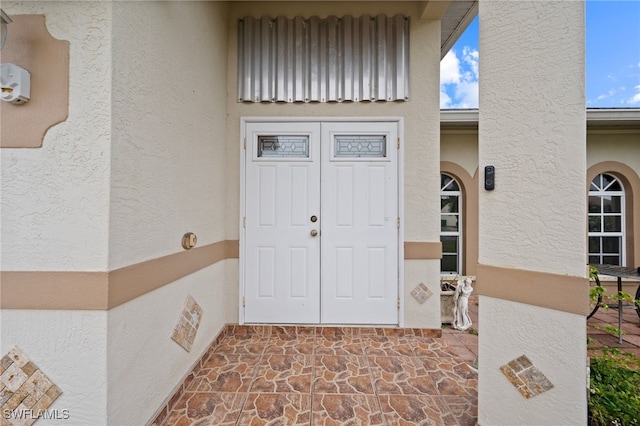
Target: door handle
[(314, 232)]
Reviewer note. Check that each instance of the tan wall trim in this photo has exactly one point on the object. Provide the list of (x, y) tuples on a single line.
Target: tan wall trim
[(105, 290), (422, 250), (554, 291), (631, 182), (54, 290), (470, 219), (31, 47)]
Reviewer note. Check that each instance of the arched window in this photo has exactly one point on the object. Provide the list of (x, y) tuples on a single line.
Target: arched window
[(606, 220), (450, 225)]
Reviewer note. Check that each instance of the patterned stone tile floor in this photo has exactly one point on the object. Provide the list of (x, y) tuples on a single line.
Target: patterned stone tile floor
[(332, 376), (342, 376)]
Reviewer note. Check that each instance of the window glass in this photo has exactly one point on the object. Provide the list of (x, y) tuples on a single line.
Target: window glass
[(450, 225), (594, 204), (613, 223), (606, 220), (612, 204), (449, 203), (449, 264)]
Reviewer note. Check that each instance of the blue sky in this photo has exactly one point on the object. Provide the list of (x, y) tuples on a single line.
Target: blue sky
[(613, 59)]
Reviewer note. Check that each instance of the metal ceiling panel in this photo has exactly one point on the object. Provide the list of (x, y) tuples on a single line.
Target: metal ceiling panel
[(335, 59)]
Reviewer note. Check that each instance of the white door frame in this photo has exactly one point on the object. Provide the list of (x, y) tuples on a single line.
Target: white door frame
[(242, 231)]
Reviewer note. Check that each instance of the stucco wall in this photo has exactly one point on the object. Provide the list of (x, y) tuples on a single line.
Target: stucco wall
[(140, 161), (421, 128), (620, 146), (500, 403), (169, 177), (169, 97), (55, 198), (603, 146), (144, 363), (460, 147), (532, 129), (70, 348), (54, 213)]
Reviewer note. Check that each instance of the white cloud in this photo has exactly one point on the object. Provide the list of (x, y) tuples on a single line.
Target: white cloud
[(450, 69), (635, 100), (445, 100), (609, 94), (459, 79)]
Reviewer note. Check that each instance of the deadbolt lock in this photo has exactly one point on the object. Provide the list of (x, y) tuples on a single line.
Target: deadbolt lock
[(314, 218)]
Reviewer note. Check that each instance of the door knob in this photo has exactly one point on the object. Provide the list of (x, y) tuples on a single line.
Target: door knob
[(314, 218), (314, 232)]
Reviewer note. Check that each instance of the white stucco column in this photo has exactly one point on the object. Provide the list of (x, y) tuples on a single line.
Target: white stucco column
[(532, 228)]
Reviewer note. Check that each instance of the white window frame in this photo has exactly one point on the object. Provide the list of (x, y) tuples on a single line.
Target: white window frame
[(596, 191), (457, 233)]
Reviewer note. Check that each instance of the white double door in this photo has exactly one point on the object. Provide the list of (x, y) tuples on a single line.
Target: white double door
[(321, 223)]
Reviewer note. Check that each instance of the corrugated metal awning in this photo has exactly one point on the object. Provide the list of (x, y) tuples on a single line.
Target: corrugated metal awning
[(323, 60)]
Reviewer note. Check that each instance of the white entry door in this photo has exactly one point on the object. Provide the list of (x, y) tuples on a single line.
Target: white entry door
[(321, 212)]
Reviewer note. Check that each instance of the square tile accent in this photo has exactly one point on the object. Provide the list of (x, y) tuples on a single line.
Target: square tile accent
[(24, 389), (526, 377), (421, 293), (185, 331)]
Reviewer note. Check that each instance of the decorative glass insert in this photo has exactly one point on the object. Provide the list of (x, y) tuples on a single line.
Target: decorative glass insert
[(283, 146), (606, 220), (450, 225), (361, 146)]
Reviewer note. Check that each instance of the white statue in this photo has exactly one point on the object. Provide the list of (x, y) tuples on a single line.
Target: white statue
[(461, 319)]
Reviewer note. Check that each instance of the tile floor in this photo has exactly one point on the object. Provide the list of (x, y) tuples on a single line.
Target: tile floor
[(334, 376), (348, 376)]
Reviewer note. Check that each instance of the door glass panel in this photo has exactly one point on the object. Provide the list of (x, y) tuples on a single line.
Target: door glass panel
[(283, 146), (360, 146), (594, 244), (594, 223)]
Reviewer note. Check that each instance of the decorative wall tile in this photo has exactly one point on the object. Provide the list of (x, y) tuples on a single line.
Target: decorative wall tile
[(421, 293), (526, 377), (25, 391), (185, 331)]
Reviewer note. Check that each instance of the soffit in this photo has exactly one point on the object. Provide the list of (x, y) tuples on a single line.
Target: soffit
[(455, 21)]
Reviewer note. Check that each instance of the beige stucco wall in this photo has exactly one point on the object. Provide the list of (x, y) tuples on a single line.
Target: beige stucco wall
[(139, 162), (619, 146), (532, 129), (55, 199), (54, 214), (460, 147), (614, 145), (168, 178), (168, 166), (421, 129)]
